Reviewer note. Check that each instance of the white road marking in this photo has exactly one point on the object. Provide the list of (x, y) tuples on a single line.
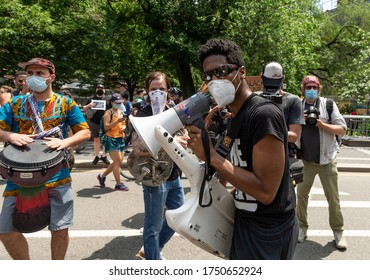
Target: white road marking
[(136, 232), (364, 151), (353, 158), (89, 233), (343, 204), (346, 233), (320, 190)]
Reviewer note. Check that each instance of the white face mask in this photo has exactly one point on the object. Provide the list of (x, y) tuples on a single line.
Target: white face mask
[(37, 83), (223, 91), (158, 99), (119, 106)]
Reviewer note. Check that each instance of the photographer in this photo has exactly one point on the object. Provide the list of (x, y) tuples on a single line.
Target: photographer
[(319, 150), (272, 79)]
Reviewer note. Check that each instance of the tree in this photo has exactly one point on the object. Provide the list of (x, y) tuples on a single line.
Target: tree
[(280, 30), (178, 28), (67, 32), (345, 51)]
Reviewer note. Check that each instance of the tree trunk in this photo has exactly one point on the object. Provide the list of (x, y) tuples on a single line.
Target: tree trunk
[(186, 80)]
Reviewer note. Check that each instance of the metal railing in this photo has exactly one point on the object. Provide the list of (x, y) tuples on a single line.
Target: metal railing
[(358, 126)]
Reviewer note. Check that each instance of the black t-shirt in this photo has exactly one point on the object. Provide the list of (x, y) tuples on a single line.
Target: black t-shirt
[(99, 113), (265, 119), (310, 140)]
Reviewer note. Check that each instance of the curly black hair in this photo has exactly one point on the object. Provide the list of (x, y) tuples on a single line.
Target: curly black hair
[(219, 46)]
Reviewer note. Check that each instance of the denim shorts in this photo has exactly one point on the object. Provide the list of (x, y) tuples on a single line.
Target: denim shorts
[(61, 203)]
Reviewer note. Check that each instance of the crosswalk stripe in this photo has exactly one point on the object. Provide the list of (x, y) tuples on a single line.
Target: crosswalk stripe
[(343, 204), (136, 232), (89, 233)]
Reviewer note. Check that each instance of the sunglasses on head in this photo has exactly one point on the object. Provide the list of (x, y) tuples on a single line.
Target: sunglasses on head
[(219, 72)]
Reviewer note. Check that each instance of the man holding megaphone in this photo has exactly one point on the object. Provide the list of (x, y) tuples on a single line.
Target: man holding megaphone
[(265, 223)]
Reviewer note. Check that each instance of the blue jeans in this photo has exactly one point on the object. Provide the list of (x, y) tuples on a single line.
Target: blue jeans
[(156, 231)]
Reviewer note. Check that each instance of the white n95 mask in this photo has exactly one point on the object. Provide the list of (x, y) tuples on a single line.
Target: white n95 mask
[(222, 91)]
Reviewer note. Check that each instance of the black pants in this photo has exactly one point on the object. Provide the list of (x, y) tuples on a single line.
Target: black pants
[(254, 240)]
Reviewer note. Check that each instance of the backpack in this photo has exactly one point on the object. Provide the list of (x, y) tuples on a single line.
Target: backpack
[(103, 135), (329, 109)]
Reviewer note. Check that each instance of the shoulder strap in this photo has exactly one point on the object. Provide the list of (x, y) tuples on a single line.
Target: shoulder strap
[(329, 107), (227, 142), (102, 121)]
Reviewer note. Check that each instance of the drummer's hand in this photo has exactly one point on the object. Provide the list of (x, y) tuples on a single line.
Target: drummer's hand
[(56, 143), (20, 139)]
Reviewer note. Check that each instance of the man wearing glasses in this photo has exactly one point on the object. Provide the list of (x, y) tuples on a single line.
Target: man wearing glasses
[(319, 150), (265, 225)]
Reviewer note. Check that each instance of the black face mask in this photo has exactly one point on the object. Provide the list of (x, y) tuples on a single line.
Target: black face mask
[(99, 92)]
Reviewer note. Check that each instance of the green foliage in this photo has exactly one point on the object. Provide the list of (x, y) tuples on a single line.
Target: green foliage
[(94, 41), (345, 51), (282, 31)]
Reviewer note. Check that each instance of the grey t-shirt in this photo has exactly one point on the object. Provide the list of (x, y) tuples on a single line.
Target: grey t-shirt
[(292, 108)]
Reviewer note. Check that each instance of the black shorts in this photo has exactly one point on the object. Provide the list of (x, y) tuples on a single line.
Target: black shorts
[(94, 129)]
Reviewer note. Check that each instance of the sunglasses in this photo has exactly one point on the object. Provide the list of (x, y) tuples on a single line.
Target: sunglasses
[(311, 87), (219, 72)]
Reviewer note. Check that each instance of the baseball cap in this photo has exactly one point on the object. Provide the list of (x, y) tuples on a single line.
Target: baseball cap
[(116, 98), (99, 86), (310, 79), (272, 74), (38, 61)]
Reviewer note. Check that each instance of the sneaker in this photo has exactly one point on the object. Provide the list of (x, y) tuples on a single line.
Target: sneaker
[(340, 241), (96, 159), (105, 160), (121, 187), (79, 149), (302, 235), (101, 180), (141, 254)]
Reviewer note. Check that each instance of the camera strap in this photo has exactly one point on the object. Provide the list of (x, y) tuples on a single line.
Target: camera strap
[(225, 145)]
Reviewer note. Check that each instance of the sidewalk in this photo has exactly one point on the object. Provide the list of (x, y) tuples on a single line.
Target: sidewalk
[(84, 158)]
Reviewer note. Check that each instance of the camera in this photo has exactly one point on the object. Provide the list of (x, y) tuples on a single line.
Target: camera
[(223, 113), (312, 115), (273, 95)]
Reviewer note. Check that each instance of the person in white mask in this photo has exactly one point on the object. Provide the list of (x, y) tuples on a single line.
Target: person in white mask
[(114, 121), (256, 161), (169, 194)]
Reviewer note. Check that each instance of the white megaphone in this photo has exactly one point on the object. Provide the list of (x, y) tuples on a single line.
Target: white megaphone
[(187, 112), (209, 227)]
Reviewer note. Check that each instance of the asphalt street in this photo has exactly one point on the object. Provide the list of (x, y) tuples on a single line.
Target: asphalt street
[(107, 222)]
